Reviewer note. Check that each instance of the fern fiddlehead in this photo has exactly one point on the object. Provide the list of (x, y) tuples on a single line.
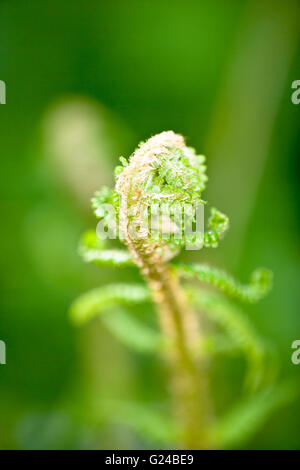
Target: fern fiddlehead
[(162, 178), (165, 169)]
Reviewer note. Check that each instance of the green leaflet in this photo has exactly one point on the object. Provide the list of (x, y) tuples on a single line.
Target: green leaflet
[(218, 224), (104, 196), (132, 332), (116, 258), (260, 283), (92, 250), (247, 417), (99, 300), (238, 329)]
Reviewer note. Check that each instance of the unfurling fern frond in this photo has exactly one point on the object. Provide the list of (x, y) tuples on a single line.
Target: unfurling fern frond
[(99, 300), (163, 182), (260, 283)]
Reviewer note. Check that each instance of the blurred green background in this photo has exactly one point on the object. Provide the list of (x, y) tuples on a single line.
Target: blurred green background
[(86, 81)]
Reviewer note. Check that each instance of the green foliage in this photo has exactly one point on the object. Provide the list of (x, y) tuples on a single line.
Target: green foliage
[(92, 250), (164, 178), (170, 180), (218, 224), (183, 236), (179, 175), (99, 300), (115, 258), (102, 197), (260, 282)]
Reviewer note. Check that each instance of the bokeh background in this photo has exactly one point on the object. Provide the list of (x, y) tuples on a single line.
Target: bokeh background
[(86, 81)]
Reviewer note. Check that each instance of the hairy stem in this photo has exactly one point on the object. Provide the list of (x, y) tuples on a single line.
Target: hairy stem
[(189, 387)]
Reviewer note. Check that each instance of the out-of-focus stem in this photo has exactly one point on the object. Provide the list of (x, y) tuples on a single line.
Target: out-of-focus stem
[(189, 387)]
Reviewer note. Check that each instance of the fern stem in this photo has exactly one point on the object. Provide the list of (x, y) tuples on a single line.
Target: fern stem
[(164, 168), (180, 328)]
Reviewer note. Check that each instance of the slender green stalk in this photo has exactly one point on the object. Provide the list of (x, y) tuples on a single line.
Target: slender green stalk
[(189, 387)]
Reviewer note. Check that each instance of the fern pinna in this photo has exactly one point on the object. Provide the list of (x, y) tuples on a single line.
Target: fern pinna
[(161, 177)]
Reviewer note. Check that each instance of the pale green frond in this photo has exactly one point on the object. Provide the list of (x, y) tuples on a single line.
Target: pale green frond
[(99, 300), (116, 258), (93, 250), (132, 332), (238, 329), (259, 286), (246, 418), (218, 224)]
